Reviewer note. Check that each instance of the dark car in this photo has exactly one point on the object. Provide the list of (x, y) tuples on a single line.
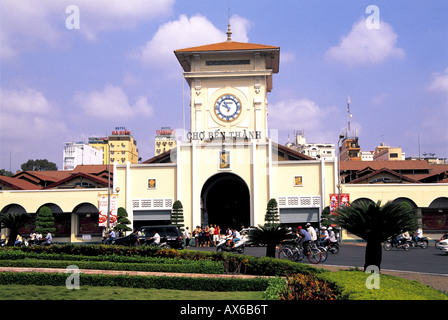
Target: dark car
[(169, 234)]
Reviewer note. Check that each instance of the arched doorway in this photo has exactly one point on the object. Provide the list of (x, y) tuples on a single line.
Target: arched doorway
[(225, 201)]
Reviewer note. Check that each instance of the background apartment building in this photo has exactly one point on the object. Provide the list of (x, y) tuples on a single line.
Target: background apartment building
[(80, 153), (120, 147)]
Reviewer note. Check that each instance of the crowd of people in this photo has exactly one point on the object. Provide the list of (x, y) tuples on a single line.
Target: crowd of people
[(323, 236), (209, 236), (35, 238)]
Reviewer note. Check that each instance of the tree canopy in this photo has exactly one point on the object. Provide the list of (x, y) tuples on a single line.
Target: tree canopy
[(39, 165)]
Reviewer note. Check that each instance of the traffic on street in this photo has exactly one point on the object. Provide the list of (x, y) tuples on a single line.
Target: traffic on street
[(429, 260)]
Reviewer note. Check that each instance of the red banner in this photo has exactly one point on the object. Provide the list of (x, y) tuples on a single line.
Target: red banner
[(335, 201)]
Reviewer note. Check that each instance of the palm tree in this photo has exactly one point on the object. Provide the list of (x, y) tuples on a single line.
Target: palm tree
[(14, 221), (271, 234), (375, 224)]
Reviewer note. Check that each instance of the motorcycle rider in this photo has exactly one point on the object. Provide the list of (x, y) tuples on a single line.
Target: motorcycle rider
[(306, 238), (404, 237), (332, 235), (418, 235), (311, 231), (236, 237), (156, 238), (324, 238)]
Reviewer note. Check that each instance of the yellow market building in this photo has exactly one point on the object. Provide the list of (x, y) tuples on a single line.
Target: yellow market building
[(226, 168)]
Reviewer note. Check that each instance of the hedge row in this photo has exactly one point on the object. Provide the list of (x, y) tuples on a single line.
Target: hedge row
[(232, 263), (149, 264), (164, 282), (205, 267)]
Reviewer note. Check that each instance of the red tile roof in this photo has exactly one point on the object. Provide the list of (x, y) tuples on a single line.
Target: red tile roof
[(228, 46), (18, 184), (393, 165)]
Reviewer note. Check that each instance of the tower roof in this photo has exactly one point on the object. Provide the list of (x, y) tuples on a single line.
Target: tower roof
[(273, 52), (229, 46)]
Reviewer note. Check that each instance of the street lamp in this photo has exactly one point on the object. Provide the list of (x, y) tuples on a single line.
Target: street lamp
[(339, 168), (108, 184)]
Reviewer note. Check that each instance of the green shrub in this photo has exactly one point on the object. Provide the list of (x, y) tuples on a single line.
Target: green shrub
[(275, 286), (352, 285), (233, 263), (175, 283)]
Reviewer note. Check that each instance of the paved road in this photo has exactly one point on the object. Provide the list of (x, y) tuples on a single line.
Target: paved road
[(428, 260)]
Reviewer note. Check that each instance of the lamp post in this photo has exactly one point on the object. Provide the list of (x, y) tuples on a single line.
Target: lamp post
[(108, 185), (339, 169)]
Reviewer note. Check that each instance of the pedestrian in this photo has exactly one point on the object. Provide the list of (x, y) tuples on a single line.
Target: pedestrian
[(196, 236), (187, 237), (207, 236), (216, 235), (201, 236), (211, 231)]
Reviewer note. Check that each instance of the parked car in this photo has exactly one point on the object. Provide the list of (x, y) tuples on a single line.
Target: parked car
[(168, 233)]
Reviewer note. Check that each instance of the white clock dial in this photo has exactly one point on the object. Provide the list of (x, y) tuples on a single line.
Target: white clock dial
[(227, 107)]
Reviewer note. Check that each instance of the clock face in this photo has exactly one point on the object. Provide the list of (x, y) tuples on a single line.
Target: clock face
[(227, 107)]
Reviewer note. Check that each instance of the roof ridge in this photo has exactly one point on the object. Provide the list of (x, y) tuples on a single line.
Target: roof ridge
[(227, 44)]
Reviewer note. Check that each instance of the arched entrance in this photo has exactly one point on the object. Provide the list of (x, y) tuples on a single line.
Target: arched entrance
[(225, 201)]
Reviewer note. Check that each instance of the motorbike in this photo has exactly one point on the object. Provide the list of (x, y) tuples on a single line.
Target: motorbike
[(332, 247), (400, 243), (226, 245), (422, 242)]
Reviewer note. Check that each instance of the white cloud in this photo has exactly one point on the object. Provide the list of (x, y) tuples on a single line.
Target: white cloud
[(26, 24), (366, 46), (112, 103), (29, 122), (439, 82), (303, 113), (187, 32), (25, 101)]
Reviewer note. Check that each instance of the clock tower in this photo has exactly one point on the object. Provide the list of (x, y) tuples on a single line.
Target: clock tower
[(229, 82)]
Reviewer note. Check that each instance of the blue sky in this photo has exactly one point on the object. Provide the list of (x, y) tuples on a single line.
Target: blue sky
[(60, 84)]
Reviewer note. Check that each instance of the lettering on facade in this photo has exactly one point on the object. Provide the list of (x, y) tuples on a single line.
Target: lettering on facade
[(223, 135), (226, 62)]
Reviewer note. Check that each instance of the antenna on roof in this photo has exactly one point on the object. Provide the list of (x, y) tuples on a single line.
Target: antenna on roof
[(229, 33), (348, 113)]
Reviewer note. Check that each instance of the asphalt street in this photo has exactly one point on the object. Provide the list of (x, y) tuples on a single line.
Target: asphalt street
[(428, 260)]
